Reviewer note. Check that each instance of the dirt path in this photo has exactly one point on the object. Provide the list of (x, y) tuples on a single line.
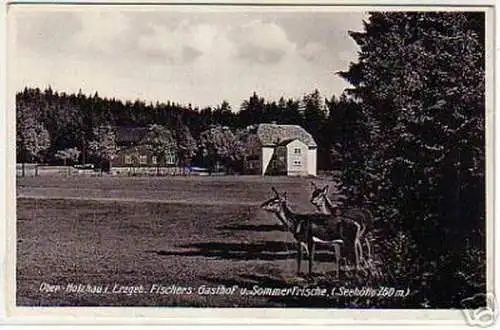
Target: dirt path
[(62, 196)]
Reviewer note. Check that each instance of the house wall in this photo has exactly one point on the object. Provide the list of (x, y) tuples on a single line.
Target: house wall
[(312, 161), (297, 161), (252, 162), (252, 165), (278, 166), (252, 146), (133, 154), (148, 170), (266, 160), (267, 154)]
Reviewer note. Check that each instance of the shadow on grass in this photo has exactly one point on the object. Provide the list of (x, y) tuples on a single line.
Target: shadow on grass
[(268, 250)]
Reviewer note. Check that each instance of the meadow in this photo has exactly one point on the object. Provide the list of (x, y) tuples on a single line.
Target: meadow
[(159, 236)]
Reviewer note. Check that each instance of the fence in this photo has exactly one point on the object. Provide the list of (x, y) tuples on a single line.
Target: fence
[(138, 171), (29, 169), (45, 170)]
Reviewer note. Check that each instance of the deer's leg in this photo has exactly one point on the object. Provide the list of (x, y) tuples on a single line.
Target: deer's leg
[(346, 266), (336, 248), (311, 249), (371, 269), (299, 256), (368, 248), (304, 246), (358, 251)]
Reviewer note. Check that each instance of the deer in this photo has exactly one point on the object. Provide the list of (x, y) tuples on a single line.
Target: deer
[(311, 229), (363, 218)]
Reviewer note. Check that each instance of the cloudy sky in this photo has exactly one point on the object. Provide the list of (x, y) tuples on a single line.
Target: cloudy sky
[(189, 55)]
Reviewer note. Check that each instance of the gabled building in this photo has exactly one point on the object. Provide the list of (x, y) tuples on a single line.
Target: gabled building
[(273, 149), (132, 154)]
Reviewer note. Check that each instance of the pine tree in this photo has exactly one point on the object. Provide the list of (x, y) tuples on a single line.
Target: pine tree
[(420, 82)]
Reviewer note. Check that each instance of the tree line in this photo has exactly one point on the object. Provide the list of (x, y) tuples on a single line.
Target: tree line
[(60, 128)]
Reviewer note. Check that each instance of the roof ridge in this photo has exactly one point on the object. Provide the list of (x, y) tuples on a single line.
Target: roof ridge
[(273, 134)]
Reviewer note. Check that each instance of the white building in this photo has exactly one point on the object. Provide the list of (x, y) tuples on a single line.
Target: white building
[(273, 149)]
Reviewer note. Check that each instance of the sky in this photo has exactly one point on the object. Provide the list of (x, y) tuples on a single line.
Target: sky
[(199, 56)]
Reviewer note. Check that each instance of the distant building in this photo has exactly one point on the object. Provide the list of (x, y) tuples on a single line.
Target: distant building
[(273, 149), (133, 155)]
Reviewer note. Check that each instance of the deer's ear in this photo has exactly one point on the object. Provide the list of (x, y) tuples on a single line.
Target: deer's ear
[(325, 189)]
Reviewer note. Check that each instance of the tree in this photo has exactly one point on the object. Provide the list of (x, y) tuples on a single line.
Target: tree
[(104, 146), (314, 112), (313, 107), (71, 154), (420, 82), (161, 142), (32, 139), (341, 133), (186, 145), (251, 110), (223, 114), (219, 145), (292, 113)]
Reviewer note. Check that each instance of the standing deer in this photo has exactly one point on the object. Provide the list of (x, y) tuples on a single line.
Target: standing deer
[(363, 218), (311, 229)]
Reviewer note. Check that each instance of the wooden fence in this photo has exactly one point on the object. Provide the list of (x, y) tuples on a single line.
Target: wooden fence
[(45, 170)]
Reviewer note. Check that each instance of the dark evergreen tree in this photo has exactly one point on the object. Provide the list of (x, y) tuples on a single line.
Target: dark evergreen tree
[(251, 111), (420, 82)]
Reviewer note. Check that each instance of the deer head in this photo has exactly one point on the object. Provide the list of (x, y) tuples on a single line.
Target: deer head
[(318, 196), (276, 203)]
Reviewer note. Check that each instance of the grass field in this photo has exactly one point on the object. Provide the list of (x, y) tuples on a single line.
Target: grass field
[(154, 232)]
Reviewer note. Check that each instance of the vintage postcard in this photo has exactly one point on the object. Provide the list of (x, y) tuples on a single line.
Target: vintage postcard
[(306, 163)]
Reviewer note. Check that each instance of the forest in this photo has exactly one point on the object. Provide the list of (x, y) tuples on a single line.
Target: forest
[(408, 137)]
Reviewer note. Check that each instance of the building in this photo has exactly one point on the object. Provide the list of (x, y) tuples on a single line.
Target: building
[(134, 157), (273, 149)]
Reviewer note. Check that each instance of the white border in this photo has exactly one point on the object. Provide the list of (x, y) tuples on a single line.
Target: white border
[(110, 315)]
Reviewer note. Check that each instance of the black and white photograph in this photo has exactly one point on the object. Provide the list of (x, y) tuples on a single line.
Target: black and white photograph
[(218, 156)]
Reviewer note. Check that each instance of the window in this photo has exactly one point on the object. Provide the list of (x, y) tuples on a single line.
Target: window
[(143, 159), (170, 159), (154, 160), (128, 159), (253, 164), (296, 151), (297, 162)]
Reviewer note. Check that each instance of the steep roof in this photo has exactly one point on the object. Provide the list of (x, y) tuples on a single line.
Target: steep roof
[(274, 134), (287, 142), (128, 134)]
